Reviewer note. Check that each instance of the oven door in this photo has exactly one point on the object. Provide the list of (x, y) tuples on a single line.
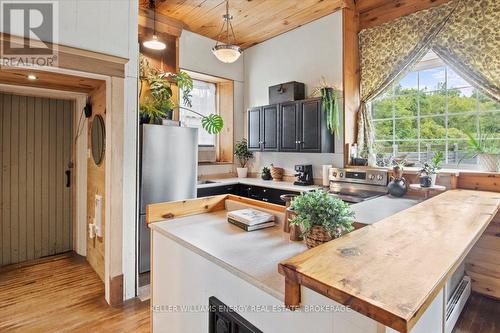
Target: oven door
[(222, 319)]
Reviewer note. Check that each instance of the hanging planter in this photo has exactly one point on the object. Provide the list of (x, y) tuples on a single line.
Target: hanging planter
[(329, 105)]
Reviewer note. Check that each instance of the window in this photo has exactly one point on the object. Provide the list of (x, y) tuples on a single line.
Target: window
[(204, 99), (429, 110)]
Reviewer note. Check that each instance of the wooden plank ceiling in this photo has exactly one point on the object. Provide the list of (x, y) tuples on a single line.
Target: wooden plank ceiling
[(48, 80), (254, 20)]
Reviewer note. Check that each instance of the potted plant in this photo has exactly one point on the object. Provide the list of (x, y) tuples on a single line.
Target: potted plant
[(266, 173), (329, 104), (243, 155), (487, 153), (321, 217), (428, 172), (157, 102)]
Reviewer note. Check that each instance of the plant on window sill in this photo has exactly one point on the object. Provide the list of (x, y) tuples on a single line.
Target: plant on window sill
[(484, 149), (159, 105)]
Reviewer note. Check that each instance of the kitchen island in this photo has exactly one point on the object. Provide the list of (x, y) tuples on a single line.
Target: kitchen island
[(197, 255)]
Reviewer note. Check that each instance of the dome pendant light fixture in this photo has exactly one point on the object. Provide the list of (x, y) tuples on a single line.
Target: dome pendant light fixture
[(229, 52), (154, 43)]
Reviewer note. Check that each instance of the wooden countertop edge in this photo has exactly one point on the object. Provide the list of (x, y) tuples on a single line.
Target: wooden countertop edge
[(293, 280)]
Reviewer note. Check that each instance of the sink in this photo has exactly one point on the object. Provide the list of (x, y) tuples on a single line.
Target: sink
[(202, 182)]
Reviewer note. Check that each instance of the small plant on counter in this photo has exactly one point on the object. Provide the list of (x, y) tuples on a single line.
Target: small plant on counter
[(428, 172), (321, 217), (266, 173), (243, 155), (329, 104)]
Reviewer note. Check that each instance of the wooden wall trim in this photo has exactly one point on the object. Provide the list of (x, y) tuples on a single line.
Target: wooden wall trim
[(116, 290), (350, 75), (375, 12), (481, 181), (79, 59)]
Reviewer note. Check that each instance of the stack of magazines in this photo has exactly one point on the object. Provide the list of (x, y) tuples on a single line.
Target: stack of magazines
[(250, 219)]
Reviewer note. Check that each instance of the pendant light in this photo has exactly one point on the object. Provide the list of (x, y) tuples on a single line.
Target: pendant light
[(229, 52), (154, 43)]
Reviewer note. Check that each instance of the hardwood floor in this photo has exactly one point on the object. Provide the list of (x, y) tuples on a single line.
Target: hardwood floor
[(64, 295), (480, 315)]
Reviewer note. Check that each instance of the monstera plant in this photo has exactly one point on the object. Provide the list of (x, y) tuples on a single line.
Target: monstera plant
[(157, 102)]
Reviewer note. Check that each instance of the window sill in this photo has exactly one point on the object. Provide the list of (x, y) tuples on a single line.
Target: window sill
[(415, 170), (215, 163)]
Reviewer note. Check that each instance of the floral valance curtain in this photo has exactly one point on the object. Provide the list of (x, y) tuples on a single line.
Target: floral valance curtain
[(470, 44), (465, 33)]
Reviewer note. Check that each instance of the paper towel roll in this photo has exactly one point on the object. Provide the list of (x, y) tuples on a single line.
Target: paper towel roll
[(326, 170)]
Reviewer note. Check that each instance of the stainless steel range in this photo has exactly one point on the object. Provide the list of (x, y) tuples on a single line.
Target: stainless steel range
[(356, 185)]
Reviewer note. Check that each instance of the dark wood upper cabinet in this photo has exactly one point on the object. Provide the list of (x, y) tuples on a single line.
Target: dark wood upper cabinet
[(269, 128), (298, 126), (310, 126), (254, 128), (289, 126)]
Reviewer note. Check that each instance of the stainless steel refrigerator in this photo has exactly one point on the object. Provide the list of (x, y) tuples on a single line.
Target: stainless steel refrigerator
[(168, 172)]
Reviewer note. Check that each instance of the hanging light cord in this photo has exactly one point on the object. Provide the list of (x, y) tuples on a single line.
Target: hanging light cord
[(228, 25), (152, 4)]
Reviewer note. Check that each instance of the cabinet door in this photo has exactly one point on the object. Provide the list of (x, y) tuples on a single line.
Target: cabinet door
[(310, 126), (254, 132), (288, 120), (269, 128), (215, 190)]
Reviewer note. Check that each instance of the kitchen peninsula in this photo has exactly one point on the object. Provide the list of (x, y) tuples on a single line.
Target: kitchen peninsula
[(382, 271)]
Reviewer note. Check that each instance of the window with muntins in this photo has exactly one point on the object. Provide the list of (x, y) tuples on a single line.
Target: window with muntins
[(204, 100), (431, 109)]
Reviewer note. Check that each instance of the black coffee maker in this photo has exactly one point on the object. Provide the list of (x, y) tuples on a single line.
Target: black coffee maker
[(304, 175)]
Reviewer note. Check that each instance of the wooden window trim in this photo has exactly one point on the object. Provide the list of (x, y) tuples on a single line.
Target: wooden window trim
[(225, 108)]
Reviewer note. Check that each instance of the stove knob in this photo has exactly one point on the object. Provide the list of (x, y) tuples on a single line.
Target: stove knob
[(341, 175), (371, 177), (379, 177), (334, 174)]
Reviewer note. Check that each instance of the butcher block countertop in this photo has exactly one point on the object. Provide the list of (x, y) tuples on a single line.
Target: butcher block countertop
[(391, 271)]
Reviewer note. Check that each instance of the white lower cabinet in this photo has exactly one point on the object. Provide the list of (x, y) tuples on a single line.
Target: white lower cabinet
[(183, 281)]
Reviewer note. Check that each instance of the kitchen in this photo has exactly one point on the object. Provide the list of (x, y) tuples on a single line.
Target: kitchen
[(293, 146), (250, 166)]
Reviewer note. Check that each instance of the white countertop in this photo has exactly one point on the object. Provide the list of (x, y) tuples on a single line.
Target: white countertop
[(287, 186), (254, 256)]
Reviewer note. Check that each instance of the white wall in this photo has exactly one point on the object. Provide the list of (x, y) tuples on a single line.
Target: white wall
[(305, 55), (111, 27), (97, 25), (130, 120), (195, 55)]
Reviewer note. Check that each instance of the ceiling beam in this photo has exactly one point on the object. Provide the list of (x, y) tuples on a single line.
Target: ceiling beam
[(377, 12), (163, 23)]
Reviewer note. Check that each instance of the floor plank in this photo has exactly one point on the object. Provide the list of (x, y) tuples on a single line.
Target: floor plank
[(480, 315), (64, 295)]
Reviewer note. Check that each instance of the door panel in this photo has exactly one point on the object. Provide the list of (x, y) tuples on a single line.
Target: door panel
[(254, 128), (288, 135), (310, 117), (269, 128), (36, 146)]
